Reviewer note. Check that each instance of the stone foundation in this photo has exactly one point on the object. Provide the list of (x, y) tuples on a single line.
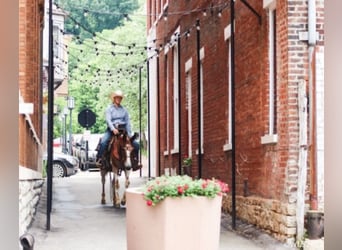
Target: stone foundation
[(29, 194), (276, 218)]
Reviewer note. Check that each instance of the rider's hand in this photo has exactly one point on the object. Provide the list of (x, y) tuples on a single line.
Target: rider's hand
[(115, 131)]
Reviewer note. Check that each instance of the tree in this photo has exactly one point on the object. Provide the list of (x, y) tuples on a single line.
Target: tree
[(110, 60), (94, 15)]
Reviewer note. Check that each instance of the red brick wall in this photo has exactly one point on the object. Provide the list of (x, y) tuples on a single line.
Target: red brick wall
[(30, 27), (271, 169)]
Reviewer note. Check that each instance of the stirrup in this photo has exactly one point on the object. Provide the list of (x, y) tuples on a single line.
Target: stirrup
[(137, 167)]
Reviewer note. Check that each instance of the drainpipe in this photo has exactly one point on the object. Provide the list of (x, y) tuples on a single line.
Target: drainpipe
[(27, 241), (312, 103)]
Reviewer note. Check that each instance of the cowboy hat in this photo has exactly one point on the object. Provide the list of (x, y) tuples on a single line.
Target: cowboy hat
[(117, 93)]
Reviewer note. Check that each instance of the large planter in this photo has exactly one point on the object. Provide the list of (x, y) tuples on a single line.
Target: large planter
[(189, 223)]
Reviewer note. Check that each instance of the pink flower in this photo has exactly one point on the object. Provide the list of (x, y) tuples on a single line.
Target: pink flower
[(149, 203), (224, 186)]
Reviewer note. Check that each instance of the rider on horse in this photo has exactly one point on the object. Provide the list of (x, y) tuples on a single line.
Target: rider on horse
[(117, 119)]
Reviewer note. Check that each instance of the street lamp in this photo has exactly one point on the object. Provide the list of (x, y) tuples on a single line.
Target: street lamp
[(65, 113), (71, 105)]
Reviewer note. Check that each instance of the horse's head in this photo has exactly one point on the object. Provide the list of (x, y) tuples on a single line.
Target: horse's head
[(122, 149)]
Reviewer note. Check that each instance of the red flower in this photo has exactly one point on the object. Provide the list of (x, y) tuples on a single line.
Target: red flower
[(186, 187), (180, 190), (149, 203)]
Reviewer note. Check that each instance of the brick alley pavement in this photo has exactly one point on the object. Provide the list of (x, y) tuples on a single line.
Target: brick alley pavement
[(79, 221)]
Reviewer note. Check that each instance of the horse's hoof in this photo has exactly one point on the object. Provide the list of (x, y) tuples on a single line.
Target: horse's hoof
[(103, 202), (117, 205), (123, 203)]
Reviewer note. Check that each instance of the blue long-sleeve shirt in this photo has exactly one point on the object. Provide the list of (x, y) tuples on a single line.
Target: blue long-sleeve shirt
[(118, 115)]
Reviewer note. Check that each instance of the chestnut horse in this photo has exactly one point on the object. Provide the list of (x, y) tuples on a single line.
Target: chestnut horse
[(118, 158)]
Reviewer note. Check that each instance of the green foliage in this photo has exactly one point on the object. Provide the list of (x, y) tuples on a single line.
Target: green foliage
[(92, 90), (181, 186), (104, 14)]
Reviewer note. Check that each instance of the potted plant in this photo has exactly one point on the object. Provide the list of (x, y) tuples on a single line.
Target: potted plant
[(175, 212), (186, 166)]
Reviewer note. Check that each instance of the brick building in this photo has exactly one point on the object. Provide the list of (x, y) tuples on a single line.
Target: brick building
[(31, 23), (274, 85), (33, 96)]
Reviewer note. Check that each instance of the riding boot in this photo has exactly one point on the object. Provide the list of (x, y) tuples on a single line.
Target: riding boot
[(136, 165)]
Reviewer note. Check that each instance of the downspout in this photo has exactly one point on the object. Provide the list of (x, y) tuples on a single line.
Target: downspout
[(312, 103), (306, 140)]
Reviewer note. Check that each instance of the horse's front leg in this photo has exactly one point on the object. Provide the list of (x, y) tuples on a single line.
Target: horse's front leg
[(103, 180), (127, 182), (116, 186)]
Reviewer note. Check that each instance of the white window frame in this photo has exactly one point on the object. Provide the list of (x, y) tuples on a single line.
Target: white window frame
[(176, 115), (201, 100), (271, 136), (167, 99), (228, 145)]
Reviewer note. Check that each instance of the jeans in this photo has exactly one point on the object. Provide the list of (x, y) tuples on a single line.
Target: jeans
[(105, 141)]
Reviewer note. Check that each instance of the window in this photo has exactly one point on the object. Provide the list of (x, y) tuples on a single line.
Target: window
[(272, 137), (56, 42), (188, 80), (201, 98), (175, 99), (228, 144), (167, 109)]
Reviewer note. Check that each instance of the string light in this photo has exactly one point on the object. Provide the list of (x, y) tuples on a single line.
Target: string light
[(156, 51)]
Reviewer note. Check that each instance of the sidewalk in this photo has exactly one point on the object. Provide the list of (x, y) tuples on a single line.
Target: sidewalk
[(79, 221)]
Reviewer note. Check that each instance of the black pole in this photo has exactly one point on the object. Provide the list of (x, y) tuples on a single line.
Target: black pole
[(140, 172), (65, 134), (179, 108), (158, 114), (148, 118), (232, 17), (50, 121), (199, 100)]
